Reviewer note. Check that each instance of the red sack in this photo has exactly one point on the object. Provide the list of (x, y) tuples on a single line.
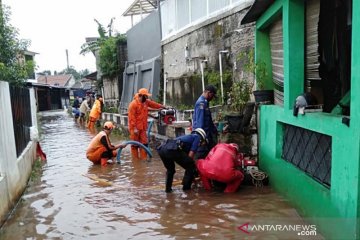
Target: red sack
[(40, 153)]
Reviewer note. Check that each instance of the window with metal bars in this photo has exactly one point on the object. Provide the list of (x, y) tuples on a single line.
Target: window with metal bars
[(21, 112), (309, 151)]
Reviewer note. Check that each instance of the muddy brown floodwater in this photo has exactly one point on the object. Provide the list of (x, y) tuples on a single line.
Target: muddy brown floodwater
[(129, 202)]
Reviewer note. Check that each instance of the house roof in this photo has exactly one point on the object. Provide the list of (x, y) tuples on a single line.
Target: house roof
[(26, 52), (55, 80), (141, 7), (87, 86), (91, 76), (77, 84), (91, 39), (256, 10)]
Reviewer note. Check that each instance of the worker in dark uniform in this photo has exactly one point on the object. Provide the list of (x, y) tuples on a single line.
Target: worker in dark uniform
[(202, 119), (181, 150)]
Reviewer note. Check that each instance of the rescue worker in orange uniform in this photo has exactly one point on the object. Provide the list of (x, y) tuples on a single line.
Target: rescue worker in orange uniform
[(137, 118), (95, 112), (100, 149)]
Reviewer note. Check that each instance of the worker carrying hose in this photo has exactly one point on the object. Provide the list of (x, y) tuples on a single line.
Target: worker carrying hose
[(220, 165), (100, 149), (181, 150), (138, 120)]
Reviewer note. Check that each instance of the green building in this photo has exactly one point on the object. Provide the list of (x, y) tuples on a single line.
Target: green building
[(312, 47)]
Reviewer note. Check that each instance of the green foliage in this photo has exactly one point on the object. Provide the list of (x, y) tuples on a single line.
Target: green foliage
[(240, 95), (107, 45), (183, 107), (251, 68), (108, 58), (10, 48), (77, 75), (110, 110), (36, 170), (118, 132), (241, 90), (213, 78), (261, 75)]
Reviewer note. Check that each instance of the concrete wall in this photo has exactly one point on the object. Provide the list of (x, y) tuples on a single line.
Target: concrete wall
[(143, 40), (141, 75), (335, 209), (111, 92), (14, 172), (143, 68), (112, 87), (204, 41)]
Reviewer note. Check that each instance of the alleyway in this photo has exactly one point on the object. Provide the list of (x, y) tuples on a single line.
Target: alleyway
[(65, 204)]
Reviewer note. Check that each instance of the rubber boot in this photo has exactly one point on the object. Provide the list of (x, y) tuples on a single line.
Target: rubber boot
[(188, 179), (143, 153), (134, 153), (103, 162), (91, 124), (169, 181)]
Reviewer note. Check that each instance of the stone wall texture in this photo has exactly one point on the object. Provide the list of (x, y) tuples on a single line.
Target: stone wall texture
[(204, 41)]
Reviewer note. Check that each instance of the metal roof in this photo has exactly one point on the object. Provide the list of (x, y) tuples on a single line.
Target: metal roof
[(255, 11), (139, 7)]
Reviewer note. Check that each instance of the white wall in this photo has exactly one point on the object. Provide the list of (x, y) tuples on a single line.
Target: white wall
[(14, 172)]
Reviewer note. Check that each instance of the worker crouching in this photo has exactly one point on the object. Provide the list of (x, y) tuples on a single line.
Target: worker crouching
[(220, 165), (181, 150), (100, 149)]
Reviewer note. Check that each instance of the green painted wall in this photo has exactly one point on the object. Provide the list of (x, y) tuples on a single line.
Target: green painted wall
[(335, 211)]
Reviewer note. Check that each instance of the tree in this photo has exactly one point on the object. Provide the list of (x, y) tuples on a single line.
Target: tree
[(84, 73), (71, 70), (108, 63), (94, 45), (106, 44), (11, 47), (77, 75)]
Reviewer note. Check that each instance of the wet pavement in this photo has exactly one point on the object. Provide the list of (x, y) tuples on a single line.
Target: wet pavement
[(73, 199)]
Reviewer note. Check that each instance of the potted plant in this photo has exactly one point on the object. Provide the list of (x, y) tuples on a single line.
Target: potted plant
[(262, 95), (240, 92)]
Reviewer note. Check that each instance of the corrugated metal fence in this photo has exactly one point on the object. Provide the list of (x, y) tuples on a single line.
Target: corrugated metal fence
[(21, 112)]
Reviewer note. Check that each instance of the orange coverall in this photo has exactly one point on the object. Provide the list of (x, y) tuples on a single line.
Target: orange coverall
[(96, 150), (137, 117), (94, 113)]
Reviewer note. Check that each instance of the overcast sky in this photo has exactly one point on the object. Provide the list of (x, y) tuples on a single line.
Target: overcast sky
[(56, 25)]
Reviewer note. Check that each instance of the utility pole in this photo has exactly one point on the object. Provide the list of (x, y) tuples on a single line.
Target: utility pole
[(67, 58)]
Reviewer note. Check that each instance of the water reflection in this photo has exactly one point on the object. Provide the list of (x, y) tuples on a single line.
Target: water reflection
[(70, 201)]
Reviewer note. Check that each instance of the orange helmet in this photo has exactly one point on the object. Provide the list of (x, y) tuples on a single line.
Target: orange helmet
[(108, 125), (144, 91)]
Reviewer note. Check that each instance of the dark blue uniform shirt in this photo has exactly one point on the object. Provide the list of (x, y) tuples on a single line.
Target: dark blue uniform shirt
[(202, 116), (189, 142)]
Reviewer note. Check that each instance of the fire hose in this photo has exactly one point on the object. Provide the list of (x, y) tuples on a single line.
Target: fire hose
[(133, 143)]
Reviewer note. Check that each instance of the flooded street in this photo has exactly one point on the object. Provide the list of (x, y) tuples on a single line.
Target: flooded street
[(129, 202)]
